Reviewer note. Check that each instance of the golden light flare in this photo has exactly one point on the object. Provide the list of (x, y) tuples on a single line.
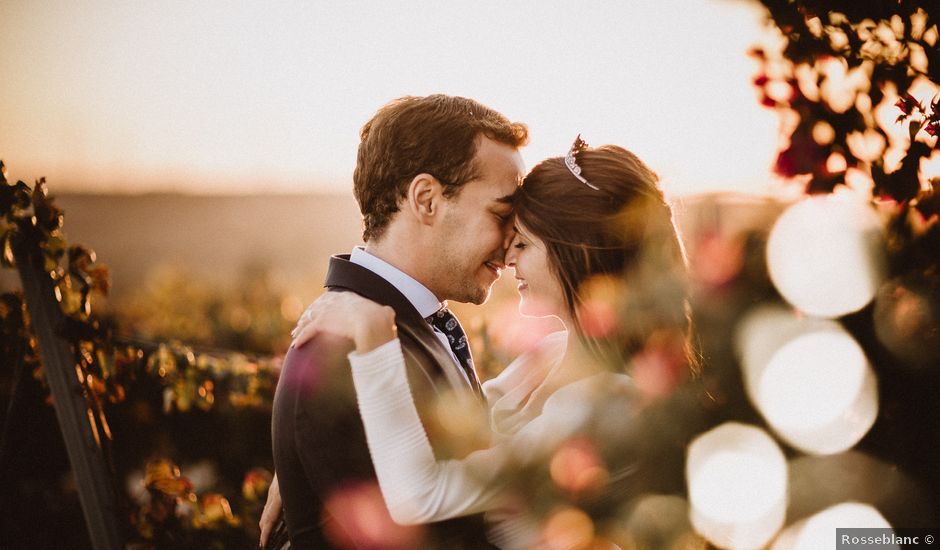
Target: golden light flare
[(807, 81), (918, 23), (863, 105), (838, 39), (823, 133), (930, 166), (918, 58), (815, 26), (859, 181), (836, 163), (867, 146), (779, 90), (930, 36), (841, 85)]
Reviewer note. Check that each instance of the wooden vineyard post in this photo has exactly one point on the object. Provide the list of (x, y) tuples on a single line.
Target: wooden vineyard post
[(95, 486)]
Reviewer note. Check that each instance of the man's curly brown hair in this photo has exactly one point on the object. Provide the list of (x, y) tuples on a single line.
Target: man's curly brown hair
[(437, 135)]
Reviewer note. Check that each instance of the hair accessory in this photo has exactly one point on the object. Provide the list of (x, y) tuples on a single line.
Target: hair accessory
[(572, 164)]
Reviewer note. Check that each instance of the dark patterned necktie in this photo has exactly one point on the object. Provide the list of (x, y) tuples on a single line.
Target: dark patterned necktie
[(446, 322)]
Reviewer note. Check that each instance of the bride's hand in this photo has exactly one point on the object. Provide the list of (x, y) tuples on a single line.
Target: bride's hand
[(348, 315)]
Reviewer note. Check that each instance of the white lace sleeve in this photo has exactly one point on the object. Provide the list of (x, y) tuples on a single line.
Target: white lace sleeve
[(416, 487)]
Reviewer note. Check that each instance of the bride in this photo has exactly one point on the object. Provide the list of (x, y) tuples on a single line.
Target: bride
[(592, 219)]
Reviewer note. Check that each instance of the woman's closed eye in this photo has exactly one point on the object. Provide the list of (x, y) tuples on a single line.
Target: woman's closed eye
[(519, 245)]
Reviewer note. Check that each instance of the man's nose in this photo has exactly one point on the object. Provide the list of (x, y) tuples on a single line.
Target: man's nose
[(507, 239), (504, 258)]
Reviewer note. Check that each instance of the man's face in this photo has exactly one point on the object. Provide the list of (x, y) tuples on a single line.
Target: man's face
[(477, 226)]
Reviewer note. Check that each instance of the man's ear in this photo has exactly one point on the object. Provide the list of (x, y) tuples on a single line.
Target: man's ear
[(424, 198)]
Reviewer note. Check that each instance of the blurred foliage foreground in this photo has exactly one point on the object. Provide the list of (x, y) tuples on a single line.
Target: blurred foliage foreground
[(818, 327), (153, 401)]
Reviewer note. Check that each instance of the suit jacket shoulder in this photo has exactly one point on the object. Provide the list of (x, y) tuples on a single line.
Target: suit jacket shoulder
[(317, 434), (415, 334)]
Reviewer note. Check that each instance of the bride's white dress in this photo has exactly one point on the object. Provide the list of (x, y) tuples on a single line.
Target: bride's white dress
[(533, 409)]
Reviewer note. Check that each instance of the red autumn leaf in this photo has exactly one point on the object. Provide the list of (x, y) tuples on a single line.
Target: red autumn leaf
[(907, 104)]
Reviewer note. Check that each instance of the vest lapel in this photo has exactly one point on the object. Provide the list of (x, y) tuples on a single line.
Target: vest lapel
[(345, 275)]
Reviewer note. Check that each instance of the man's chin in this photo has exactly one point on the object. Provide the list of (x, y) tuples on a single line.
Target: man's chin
[(476, 296), (482, 297)]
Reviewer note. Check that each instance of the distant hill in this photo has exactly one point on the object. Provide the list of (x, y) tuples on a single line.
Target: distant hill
[(214, 237)]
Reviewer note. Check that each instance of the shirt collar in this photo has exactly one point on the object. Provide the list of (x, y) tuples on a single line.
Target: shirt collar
[(420, 297)]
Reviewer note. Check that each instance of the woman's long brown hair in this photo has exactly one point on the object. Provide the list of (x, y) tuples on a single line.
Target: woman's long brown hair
[(623, 229)]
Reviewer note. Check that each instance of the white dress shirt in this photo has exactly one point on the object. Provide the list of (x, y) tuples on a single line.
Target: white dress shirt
[(420, 297)]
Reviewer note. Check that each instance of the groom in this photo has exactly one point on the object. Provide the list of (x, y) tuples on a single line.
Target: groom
[(434, 178)]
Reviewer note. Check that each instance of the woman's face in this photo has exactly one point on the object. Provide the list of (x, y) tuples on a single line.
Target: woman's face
[(540, 293)]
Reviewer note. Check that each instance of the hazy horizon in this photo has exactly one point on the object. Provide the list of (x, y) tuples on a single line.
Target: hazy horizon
[(211, 98)]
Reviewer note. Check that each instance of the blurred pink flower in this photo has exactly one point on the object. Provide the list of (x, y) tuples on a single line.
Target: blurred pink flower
[(356, 517), (577, 467), (717, 259), (514, 334), (598, 317), (661, 366)]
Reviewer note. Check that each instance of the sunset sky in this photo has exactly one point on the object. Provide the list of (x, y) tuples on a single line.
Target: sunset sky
[(200, 97)]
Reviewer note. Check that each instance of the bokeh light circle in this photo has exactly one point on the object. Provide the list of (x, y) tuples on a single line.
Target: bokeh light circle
[(825, 254), (819, 530), (737, 481), (809, 379)]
